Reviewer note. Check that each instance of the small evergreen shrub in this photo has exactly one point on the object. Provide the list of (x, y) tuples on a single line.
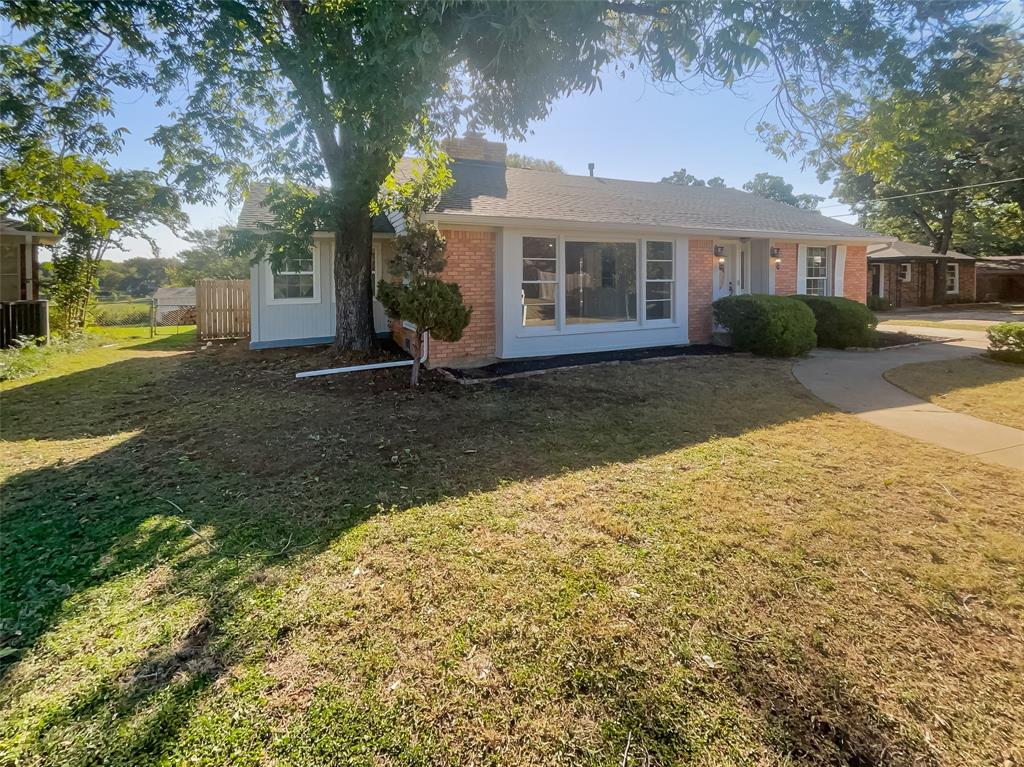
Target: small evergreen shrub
[(773, 326), (1006, 342), (879, 304), (841, 322)]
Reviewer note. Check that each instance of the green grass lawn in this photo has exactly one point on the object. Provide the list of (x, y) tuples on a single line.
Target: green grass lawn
[(676, 562), (977, 325), (985, 388)]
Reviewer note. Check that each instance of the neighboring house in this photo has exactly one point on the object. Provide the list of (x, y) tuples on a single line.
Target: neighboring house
[(19, 260), (177, 305), (903, 273), (555, 264), (1001, 278)]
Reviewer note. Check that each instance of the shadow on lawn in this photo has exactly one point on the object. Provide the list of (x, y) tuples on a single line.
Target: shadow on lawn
[(267, 470)]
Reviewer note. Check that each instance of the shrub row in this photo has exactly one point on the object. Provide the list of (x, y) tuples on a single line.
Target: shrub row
[(785, 326), (1006, 341)]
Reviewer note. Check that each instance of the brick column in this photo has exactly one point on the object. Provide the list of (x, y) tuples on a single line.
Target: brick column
[(855, 275), (699, 275), (471, 264), (785, 276)]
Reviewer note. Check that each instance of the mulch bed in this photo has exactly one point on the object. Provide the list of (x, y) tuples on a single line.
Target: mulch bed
[(536, 364), (885, 339)]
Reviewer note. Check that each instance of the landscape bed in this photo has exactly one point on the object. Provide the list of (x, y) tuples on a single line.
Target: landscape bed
[(688, 560)]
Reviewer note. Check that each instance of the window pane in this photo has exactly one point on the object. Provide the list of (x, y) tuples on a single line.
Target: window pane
[(538, 247), (600, 282), (538, 315), (659, 310), (659, 291), (659, 251), (542, 269), (659, 270), (539, 292)]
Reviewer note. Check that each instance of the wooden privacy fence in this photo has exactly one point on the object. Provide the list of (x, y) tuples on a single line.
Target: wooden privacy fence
[(222, 309)]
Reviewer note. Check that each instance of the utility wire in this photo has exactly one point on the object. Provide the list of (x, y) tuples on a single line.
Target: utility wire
[(931, 191)]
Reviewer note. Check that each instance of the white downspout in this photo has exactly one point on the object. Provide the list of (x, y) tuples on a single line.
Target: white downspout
[(374, 366)]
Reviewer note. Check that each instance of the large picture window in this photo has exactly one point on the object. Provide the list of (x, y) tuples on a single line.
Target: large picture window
[(817, 272), (660, 281), (540, 281), (295, 279), (600, 282)]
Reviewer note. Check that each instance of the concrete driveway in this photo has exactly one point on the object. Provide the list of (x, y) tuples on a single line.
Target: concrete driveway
[(853, 382)]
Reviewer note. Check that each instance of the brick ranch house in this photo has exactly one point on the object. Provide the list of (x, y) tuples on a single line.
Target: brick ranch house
[(903, 273), (557, 264)]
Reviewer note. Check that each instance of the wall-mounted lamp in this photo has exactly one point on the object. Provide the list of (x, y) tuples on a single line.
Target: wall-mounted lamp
[(721, 261), (719, 250), (777, 255)]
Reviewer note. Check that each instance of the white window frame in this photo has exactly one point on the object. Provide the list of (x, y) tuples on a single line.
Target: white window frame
[(563, 328), (314, 299), (908, 274), (642, 285), (558, 282), (826, 281), (956, 278)]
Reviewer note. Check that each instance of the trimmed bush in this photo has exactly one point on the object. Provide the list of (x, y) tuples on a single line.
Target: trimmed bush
[(879, 304), (1006, 342), (773, 326), (840, 322)]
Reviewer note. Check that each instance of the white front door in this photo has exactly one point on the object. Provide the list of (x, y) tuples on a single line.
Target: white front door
[(380, 317), (728, 279)]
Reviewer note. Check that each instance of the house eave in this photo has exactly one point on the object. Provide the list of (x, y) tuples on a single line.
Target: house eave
[(709, 232)]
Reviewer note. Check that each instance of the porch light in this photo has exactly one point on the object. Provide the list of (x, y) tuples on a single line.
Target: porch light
[(720, 251), (776, 253)]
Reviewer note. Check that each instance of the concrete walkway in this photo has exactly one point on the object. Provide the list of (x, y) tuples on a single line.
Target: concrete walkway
[(852, 381)]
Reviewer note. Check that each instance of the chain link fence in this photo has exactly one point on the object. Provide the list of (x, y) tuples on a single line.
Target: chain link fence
[(144, 315)]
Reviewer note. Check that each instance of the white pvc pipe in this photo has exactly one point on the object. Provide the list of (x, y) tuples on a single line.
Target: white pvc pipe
[(373, 366)]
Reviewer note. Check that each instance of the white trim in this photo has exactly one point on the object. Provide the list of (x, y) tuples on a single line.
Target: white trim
[(697, 233), (910, 271), (772, 268), (956, 278), (881, 280), (801, 269), (314, 299), (840, 279)]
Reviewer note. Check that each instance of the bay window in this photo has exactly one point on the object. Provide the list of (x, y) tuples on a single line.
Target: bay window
[(600, 282)]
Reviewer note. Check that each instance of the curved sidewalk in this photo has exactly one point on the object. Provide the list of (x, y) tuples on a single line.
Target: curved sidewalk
[(852, 381)]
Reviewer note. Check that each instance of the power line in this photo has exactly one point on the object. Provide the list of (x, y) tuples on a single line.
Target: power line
[(930, 191)]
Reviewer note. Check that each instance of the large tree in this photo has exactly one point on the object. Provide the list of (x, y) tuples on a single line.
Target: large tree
[(773, 187), (328, 91), (935, 163)]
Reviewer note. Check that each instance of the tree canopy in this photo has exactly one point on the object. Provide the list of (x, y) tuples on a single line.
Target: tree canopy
[(515, 160), (775, 188), (307, 90), (683, 178), (935, 163)]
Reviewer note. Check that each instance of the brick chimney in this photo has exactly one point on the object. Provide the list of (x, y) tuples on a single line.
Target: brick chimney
[(473, 146)]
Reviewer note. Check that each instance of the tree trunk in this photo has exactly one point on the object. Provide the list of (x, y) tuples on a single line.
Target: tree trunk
[(353, 255), (417, 350), (939, 281)]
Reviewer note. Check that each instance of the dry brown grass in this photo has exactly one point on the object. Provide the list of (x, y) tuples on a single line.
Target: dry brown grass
[(984, 388), (691, 557)]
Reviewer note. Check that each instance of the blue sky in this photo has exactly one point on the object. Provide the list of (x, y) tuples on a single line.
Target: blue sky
[(629, 129)]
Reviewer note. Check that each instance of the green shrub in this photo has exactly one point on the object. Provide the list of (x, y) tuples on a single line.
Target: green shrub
[(774, 326), (879, 304), (1006, 342), (840, 322)]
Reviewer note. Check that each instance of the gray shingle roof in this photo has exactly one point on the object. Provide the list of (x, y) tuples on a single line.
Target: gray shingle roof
[(254, 213), (491, 191), (909, 250)]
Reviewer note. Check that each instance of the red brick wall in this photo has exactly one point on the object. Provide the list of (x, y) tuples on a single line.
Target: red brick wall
[(855, 275), (471, 263), (919, 290), (699, 276), (785, 275)]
